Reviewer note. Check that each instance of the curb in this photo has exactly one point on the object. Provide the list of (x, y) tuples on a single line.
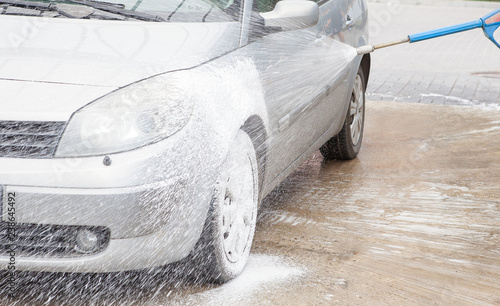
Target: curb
[(451, 3)]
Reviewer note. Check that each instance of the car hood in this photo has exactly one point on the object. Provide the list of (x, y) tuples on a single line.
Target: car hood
[(49, 68), (105, 53)]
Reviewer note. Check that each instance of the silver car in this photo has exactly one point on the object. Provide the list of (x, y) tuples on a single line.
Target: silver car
[(136, 133)]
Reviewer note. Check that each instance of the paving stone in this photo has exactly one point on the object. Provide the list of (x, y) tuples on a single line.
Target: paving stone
[(451, 70)]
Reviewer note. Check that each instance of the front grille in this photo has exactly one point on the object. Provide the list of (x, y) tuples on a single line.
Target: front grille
[(35, 139), (39, 240)]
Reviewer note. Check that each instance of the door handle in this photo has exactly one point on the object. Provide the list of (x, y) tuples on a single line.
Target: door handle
[(349, 22)]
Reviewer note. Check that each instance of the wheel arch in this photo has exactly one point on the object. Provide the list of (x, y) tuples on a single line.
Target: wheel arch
[(254, 127), (365, 66)]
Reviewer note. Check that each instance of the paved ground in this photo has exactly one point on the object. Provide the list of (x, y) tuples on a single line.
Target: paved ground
[(461, 69), (414, 220)]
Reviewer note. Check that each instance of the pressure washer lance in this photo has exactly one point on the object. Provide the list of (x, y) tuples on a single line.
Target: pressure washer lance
[(489, 23)]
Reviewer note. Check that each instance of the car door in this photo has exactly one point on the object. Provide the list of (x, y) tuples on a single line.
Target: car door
[(304, 76)]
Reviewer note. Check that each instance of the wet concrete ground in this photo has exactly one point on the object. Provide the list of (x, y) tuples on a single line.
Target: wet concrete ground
[(414, 220)]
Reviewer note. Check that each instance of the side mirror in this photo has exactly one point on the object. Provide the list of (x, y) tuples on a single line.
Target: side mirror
[(491, 23), (292, 15)]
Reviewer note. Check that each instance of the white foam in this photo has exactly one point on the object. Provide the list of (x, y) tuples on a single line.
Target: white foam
[(261, 270)]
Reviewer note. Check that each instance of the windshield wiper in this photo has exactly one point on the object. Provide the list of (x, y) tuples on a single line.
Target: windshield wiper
[(113, 8), (117, 5), (30, 4)]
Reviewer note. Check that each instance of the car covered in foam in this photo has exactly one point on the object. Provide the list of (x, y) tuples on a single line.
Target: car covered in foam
[(134, 134)]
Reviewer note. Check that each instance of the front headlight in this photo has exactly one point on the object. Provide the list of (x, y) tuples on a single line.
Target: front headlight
[(128, 118)]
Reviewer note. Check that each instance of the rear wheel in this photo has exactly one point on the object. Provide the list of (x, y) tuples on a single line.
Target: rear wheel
[(347, 143), (224, 247)]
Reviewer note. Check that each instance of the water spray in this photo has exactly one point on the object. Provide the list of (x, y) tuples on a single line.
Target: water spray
[(489, 23)]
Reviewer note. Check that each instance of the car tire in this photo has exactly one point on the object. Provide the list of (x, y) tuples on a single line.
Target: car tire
[(347, 143), (225, 243)]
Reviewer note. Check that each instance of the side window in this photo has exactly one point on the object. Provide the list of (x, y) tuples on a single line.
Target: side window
[(333, 16)]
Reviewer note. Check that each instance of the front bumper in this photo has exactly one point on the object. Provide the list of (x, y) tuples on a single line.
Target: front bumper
[(127, 211), (167, 245), (153, 200)]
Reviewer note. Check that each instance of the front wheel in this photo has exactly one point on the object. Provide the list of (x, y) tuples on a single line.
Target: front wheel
[(224, 246), (347, 143)]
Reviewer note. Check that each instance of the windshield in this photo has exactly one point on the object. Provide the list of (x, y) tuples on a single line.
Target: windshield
[(146, 10), (186, 10)]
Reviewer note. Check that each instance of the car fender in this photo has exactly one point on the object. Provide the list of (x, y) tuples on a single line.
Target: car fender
[(228, 92)]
